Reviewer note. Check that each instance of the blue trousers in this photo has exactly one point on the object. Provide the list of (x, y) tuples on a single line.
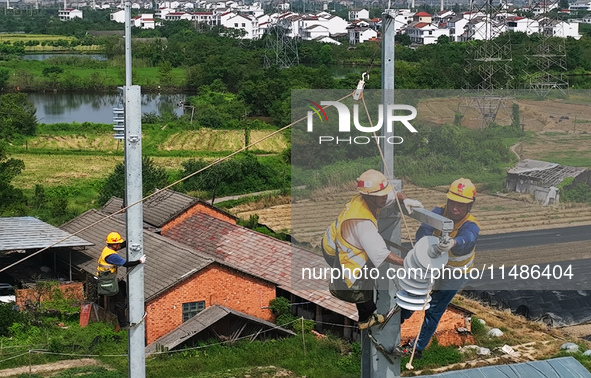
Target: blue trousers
[(440, 298)]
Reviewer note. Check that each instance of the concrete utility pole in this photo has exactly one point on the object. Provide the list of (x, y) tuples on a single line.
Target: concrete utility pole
[(376, 361), (134, 215)]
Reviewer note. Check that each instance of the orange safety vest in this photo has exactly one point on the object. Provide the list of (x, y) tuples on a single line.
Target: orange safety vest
[(350, 256), (465, 260), (103, 265)]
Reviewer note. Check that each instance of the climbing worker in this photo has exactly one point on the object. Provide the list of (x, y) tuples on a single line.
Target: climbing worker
[(461, 196), (352, 243), (108, 284)]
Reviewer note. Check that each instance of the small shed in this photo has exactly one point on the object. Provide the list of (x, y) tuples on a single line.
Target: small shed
[(542, 178)]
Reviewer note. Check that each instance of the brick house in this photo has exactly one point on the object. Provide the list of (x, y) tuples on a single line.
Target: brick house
[(179, 281), (203, 258)]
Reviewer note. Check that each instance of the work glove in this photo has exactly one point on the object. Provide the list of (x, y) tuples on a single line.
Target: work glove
[(142, 259), (445, 246), (410, 203)]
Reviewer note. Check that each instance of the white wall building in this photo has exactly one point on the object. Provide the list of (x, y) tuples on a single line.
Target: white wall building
[(581, 6), (423, 33), (118, 16), (361, 34), (358, 14), (177, 16), (69, 14), (162, 12), (144, 21), (457, 27)]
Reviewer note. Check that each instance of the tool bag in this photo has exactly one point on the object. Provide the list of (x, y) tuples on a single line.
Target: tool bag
[(107, 283), (361, 290)]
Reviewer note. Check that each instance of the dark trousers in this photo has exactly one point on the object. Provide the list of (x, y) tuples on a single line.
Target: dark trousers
[(120, 302), (364, 309)]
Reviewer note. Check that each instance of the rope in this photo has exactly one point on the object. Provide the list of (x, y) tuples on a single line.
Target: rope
[(166, 187), (388, 175)]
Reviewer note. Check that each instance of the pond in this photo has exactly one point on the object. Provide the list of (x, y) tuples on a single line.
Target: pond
[(96, 107)]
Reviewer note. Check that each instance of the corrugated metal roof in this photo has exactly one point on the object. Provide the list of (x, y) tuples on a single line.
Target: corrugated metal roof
[(161, 208), (261, 256), (547, 174), (31, 233), (203, 320), (167, 264), (564, 367)]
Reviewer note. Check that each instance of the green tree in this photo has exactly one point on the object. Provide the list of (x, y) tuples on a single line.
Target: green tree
[(17, 116), (11, 199), (4, 76), (153, 177), (165, 73)]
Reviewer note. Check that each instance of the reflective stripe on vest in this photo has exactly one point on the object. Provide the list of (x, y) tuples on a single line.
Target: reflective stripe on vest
[(350, 256), (464, 260), (103, 265)]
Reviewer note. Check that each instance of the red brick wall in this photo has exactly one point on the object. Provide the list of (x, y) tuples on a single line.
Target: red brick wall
[(71, 290), (446, 332), (215, 285), (198, 208)]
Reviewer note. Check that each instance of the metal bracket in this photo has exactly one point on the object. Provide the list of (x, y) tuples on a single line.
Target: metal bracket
[(135, 247), (133, 138), (390, 314), (436, 221), (389, 355)]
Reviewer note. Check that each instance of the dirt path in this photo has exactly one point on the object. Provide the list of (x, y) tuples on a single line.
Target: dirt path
[(50, 368)]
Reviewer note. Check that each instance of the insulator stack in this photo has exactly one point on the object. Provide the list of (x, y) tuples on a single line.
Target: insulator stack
[(415, 282)]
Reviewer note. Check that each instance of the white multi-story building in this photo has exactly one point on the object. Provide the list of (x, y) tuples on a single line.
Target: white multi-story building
[(358, 14), (581, 6), (424, 33), (457, 27), (118, 16), (207, 18), (314, 32), (69, 14), (162, 12), (402, 19), (555, 28), (361, 34), (247, 23), (177, 16), (523, 25), (144, 21)]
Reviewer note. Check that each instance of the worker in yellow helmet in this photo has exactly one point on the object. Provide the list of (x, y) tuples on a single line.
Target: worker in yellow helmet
[(461, 196), (108, 284), (352, 242)]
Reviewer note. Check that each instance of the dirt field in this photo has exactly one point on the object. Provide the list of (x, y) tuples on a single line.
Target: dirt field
[(537, 116)]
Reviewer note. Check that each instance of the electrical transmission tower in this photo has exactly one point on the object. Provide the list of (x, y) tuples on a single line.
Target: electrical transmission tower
[(489, 66), (281, 49), (548, 57)]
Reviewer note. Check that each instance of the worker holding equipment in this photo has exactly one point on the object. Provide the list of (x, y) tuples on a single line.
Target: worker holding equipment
[(108, 284), (461, 196), (352, 242)]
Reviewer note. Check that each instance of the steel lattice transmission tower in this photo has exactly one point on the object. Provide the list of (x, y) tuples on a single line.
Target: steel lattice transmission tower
[(281, 49), (489, 65), (548, 57)]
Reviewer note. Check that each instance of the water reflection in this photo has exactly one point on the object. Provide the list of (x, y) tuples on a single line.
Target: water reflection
[(97, 107), (51, 55)]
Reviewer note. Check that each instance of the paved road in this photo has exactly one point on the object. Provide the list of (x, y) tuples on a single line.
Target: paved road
[(534, 238)]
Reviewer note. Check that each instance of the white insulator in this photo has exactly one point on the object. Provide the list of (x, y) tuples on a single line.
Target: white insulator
[(415, 281)]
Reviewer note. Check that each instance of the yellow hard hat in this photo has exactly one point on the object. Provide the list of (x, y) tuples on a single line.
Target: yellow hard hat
[(114, 238), (462, 190), (373, 183)]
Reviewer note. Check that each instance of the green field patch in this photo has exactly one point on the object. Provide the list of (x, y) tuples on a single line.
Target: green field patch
[(222, 140)]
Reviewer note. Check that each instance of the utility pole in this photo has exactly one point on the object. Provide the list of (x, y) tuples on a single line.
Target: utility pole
[(134, 214), (377, 343)]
